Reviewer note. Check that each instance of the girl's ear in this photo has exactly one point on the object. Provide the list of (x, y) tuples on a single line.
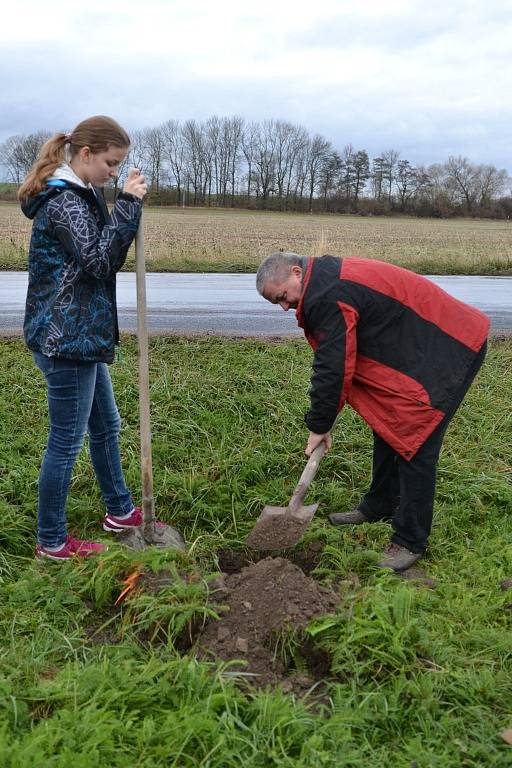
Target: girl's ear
[(85, 154)]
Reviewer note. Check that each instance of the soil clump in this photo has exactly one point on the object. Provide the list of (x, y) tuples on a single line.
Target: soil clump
[(276, 532), (418, 577), (265, 604)]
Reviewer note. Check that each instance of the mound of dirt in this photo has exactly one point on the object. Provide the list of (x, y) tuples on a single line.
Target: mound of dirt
[(265, 601)]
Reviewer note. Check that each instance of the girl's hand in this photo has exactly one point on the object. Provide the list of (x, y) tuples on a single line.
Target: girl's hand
[(135, 184)]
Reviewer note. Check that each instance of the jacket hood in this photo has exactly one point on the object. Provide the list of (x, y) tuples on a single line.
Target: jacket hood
[(31, 205)]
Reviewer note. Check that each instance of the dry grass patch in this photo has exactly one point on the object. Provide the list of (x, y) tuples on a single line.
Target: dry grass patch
[(217, 240)]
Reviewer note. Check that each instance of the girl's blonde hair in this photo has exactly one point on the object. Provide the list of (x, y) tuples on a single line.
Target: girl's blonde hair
[(98, 133)]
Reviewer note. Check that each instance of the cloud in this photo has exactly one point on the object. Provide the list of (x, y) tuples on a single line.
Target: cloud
[(427, 80)]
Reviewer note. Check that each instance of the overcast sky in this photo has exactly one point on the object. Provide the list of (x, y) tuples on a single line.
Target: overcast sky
[(428, 79)]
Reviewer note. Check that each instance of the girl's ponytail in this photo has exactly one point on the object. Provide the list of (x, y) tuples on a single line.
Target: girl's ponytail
[(98, 133), (51, 155)]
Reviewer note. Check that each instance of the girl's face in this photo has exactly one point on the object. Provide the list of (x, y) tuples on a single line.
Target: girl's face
[(98, 168)]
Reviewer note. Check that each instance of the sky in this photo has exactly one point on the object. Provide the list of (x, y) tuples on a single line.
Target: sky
[(427, 79)]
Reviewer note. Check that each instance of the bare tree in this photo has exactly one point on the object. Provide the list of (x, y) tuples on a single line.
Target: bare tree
[(290, 140), (235, 130), (297, 151), (249, 149), (378, 176), (409, 182), (463, 178), (347, 173), (300, 173), (174, 153), (19, 153), (223, 141), (138, 155), (214, 153), (216, 158), (265, 159), (328, 179), (122, 171), (491, 183), (153, 147), (389, 165), (473, 186), (11, 157), (198, 168), (317, 151), (361, 175)]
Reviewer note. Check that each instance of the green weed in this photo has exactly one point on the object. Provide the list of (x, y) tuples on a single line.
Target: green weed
[(418, 677)]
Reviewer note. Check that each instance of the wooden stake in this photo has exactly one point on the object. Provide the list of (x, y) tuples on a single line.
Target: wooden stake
[(148, 501)]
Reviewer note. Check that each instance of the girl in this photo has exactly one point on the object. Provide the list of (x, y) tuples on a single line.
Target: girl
[(70, 325)]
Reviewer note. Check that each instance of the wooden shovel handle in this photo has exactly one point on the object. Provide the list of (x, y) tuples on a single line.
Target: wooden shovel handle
[(306, 477), (148, 503)]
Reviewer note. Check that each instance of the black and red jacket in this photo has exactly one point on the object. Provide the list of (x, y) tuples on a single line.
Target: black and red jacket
[(387, 341)]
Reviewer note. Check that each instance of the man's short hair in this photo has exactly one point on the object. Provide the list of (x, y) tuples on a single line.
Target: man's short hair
[(276, 268)]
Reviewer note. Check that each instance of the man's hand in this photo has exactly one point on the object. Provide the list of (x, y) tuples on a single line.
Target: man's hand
[(314, 440)]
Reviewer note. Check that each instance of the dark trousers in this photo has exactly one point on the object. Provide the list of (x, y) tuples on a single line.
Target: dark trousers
[(401, 491)]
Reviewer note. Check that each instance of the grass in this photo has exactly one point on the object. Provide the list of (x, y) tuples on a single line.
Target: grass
[(212, 240), (419, 678)]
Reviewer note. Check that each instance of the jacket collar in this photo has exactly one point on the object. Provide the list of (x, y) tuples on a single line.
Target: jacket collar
[(65, 173), (305, 280)]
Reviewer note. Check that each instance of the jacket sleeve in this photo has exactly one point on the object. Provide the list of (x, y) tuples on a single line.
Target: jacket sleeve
[(98, 252), (334, 327)]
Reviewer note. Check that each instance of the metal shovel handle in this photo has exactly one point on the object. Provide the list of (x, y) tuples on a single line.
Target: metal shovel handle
[(306, 478), (148, 502)]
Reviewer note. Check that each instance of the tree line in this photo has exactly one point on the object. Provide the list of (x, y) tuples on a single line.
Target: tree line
[(278, 165)]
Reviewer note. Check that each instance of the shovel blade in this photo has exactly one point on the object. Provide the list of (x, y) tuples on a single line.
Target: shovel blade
[(280, 527), (161, 536), (303, 514)]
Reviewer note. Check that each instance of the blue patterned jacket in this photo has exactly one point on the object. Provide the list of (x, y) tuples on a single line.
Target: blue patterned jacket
[(76, 249)]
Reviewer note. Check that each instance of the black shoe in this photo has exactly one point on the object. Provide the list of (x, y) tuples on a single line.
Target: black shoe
[(355, 517)]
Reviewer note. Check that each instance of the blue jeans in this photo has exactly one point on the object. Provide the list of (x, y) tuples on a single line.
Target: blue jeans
[(80, 398)]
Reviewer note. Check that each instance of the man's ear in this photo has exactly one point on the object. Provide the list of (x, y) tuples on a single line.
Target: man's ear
[(297, 271)]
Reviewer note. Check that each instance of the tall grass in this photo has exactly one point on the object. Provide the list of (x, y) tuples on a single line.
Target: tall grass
[(206, 240), (418, 677)]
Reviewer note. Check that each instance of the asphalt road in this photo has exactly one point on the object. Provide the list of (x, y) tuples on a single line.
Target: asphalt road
[(228, 304)]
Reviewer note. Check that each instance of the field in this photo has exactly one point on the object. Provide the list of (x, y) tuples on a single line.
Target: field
[(210, 240), (409, 675)]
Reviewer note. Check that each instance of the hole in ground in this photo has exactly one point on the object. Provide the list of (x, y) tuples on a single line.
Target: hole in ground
[(270, 602), (233, 560), (265, 598)]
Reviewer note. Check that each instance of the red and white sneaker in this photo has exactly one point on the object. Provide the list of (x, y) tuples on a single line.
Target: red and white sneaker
[(116, 524), (71, 548)]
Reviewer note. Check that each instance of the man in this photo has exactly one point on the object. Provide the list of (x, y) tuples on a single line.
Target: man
[(403, 353)]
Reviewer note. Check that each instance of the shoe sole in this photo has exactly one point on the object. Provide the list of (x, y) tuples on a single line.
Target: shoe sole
[(345, 522), (397, 569), (42, 555), (111, 529)]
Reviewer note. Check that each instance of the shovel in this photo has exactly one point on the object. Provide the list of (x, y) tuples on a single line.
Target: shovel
[(151, 532), (282, 527)]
